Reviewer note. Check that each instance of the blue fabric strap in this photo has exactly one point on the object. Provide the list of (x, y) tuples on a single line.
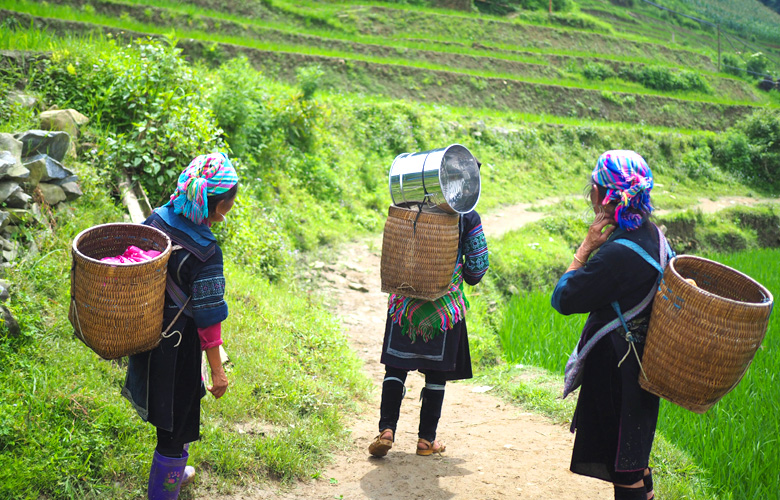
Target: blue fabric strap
[(642, 253)]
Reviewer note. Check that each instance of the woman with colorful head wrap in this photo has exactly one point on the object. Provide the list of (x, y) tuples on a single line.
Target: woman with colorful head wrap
[(164, 385), (615, 418)]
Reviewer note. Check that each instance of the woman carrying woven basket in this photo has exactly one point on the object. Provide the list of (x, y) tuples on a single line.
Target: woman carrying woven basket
[(429, 336), (615, 419), (165, 385)]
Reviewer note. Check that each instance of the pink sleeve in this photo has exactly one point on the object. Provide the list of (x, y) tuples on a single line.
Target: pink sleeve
[(211, 336)]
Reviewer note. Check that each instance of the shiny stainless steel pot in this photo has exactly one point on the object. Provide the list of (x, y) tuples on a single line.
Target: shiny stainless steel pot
[(447, 178)]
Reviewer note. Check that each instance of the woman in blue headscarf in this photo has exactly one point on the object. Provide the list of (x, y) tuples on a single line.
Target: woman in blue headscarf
[(165, 385), (615, 418)]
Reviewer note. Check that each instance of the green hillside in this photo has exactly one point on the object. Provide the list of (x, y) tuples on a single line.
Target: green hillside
[(314, 99)]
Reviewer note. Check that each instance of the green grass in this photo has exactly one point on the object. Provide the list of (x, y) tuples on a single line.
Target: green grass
[(65, 432), (569, 80), (735, 443)]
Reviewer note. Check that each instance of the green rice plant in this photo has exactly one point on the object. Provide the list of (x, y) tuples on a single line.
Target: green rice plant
[(736, 441), (734, 444)]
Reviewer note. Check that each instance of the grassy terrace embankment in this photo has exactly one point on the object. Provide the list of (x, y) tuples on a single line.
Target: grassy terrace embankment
[(433, 84), (532, 65)]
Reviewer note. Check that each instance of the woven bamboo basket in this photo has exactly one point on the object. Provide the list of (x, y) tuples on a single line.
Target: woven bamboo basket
[(419, 250), (117, 309), (702, 338)]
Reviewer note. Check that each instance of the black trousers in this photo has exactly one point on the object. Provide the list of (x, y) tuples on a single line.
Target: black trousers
[(432, 396)]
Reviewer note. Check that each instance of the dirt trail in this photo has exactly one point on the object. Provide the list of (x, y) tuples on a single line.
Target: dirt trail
[(494, 450)]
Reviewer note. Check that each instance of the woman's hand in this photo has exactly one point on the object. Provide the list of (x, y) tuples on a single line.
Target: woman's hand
[(219, 382), (598, 233)]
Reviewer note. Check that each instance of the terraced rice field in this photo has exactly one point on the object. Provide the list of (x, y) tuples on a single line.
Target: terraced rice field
[(532, 65)]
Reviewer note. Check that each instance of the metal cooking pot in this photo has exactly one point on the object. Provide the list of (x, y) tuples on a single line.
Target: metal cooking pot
[(447, 178)]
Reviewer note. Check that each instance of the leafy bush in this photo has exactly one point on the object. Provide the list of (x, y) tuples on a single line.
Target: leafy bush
[(597, 71), (757, 64), (255, 240), (663, 78), (503, 7), (150, 102), (733, 65), (752, 149)]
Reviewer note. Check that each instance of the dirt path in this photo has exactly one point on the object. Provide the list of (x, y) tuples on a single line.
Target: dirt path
[(494, 450)]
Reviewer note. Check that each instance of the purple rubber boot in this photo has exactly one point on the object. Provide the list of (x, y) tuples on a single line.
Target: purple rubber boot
[(189, 471), (166, 476)]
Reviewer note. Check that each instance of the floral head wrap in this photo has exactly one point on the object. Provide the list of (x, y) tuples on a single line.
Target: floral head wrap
[(628, 180), (207, 175)]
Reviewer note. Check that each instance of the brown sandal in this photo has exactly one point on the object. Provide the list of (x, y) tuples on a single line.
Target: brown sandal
[(430, 448), (381, 446)]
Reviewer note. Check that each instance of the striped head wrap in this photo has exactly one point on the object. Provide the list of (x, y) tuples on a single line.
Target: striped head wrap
[(628, 180), (207, 175)]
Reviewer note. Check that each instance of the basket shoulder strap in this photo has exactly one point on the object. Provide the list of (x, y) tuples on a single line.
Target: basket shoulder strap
[(642, 253)]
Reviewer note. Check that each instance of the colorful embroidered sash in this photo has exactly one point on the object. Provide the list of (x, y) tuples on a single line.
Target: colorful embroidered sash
[(429, 319)]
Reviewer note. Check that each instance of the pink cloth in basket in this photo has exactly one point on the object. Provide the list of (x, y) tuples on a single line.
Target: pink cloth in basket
[(132, 255)]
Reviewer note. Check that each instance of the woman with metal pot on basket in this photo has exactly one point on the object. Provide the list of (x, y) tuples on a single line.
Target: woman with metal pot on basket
[(615, 418), (430, 336)]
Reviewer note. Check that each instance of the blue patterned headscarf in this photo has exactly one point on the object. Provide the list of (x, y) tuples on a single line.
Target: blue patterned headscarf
[(207, 175), (628, 180)]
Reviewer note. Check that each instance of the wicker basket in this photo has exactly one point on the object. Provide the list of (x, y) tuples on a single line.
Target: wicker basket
[(701, 339), (419, 250), (117, 309)]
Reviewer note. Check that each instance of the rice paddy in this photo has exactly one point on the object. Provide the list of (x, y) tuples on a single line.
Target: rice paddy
[(736, 442)]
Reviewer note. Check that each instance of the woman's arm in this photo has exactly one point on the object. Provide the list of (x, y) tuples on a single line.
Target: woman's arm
[(219, 381), (474, 248)]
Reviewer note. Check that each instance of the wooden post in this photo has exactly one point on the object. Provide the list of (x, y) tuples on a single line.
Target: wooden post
[(551, 7), (719, 48), (130, 200)]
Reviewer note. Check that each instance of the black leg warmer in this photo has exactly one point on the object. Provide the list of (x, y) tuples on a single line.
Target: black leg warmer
[(432, 399), (393, 391), (630, 493), (648, 479)]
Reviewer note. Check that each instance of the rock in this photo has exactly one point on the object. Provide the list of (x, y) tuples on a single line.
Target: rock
[(32, 251), (18, 199), (21, 99), (5, 284), (13, 326), (21, 217), (358, 286), (12, 254), (70, 178), (6, 244), (53, 144), (19, 174), (65, 120), (8, 143), (4, 295), (37, 169), (5, 219), (71, 190), (53, 168), (7, 162), (52, 194), (7, 189)]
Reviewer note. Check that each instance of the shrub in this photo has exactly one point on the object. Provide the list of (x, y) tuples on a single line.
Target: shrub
[(757, 64), (663, 78), (752, 149), (597, 71), (150, 102), (733, 65)]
